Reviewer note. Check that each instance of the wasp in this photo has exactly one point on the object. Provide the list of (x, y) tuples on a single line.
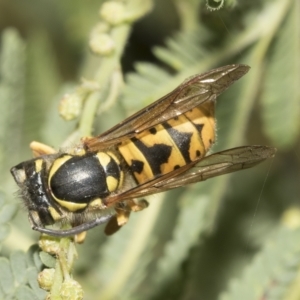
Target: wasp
[(159, 148)]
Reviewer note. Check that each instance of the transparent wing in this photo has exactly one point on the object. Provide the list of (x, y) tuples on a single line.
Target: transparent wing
[(216, 164), (223, 162), (191, 93)]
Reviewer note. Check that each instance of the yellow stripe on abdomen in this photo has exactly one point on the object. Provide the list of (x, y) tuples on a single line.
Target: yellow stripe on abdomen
[(162, 148), (151, 153), (203, 117)]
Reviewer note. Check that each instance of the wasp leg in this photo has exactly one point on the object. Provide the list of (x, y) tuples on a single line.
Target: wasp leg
[(112, 226), (123, 214), (39, 149), (137, 205), (79, 238), (123, 211)]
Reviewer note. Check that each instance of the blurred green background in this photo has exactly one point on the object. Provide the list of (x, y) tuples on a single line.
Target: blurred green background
[(232, 237)]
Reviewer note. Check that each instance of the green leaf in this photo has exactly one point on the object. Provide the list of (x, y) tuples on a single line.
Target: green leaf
[(183, 49), (192, 211), (134, 96), (12, 61), (4, 231), (23, 292), (41, 88), (6, 276), (155, 250), (118, 271), (7, 212), (33, 257), (272, 270), (17, 278), (18, 266), (281, 95), (47, 259), (32, 275)]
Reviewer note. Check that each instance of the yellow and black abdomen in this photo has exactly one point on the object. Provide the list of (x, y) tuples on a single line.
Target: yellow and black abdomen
[(171, 144)]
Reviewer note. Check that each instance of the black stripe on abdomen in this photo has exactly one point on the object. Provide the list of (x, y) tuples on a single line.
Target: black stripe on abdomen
[(181, 139), (155, 155)]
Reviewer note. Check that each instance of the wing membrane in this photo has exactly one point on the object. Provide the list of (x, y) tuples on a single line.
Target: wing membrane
[(216, 164), (191, 93)]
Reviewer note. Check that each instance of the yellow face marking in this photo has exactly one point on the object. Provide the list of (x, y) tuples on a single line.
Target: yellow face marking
[(71, 206), (38, 165), (54, 213), (20, 175), (112, 183), (56, 165)]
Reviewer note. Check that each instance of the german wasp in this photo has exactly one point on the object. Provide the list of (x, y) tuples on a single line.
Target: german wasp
[(161, 147)]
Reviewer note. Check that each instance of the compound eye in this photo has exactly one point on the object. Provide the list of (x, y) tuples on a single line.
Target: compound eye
[(32, 179)]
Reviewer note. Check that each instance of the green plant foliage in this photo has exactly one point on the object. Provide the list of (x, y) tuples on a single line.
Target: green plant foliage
[(192, 211), (190, 243), (18, 279), (179, 57), (284, 68), (272, 270), (116, 269), (12, 68), (7, 212)]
